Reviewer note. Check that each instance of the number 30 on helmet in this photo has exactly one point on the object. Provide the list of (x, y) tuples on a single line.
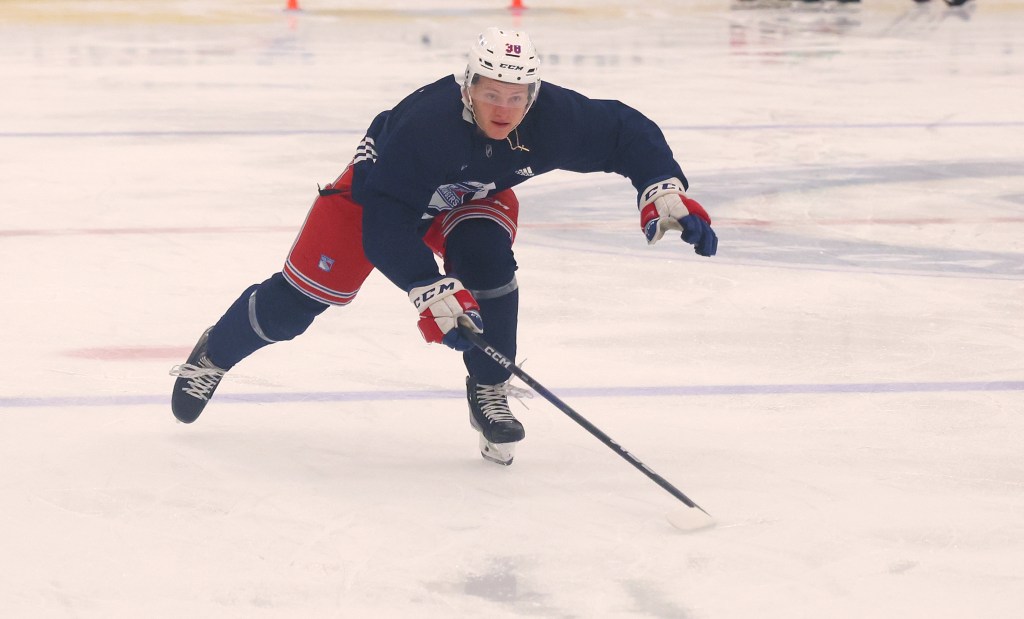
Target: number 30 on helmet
[(507, 56)]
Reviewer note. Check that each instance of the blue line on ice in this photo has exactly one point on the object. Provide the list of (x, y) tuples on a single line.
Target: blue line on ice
[(567, 392)]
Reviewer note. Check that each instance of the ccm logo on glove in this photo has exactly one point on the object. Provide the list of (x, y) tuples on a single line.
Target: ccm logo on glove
[(665, 206), (441, 304), (441, 287)]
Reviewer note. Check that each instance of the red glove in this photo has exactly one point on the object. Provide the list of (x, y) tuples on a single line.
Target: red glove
[(664, 206), (441, 303)]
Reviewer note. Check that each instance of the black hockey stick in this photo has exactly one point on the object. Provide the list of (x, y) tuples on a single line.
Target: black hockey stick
[(507, 363)]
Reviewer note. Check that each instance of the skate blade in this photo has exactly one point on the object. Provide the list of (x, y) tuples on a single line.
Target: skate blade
[(499, 453)]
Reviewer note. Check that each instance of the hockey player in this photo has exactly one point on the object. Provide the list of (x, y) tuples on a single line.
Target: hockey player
[(434, 175)]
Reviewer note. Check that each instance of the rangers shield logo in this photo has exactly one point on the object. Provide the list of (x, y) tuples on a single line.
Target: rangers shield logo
[(449, 196)]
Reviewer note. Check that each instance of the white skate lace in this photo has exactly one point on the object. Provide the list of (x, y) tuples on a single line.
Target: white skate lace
[(202, 378), (493, 400)]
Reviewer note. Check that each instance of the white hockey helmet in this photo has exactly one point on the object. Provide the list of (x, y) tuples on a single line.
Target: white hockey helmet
[(506, 56)]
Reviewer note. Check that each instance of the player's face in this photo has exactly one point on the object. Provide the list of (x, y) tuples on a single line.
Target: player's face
[(499, 107)]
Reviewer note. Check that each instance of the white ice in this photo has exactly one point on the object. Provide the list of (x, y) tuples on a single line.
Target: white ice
[(841, 387)]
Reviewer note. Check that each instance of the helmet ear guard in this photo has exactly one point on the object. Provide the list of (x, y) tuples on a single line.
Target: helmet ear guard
[(506, 56)]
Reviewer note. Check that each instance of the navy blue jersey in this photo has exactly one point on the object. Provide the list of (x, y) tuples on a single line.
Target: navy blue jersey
[(426, 156)]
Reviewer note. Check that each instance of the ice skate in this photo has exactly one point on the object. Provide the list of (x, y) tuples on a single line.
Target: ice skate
[(490, 416), (197, 379)]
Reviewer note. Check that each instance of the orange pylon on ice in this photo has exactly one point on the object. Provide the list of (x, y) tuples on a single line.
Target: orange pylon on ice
[(517, 5), (293, 5)]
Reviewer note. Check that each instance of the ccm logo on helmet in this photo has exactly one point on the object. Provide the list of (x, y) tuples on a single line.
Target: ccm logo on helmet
[(513, 67)]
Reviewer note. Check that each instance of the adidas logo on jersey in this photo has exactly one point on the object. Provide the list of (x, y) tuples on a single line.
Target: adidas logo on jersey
[(527, 171)]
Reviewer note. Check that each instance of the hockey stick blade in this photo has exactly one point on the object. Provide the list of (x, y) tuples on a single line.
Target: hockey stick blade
[(499, 358)]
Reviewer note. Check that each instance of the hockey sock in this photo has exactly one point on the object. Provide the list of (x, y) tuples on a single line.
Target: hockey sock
[(500, 316), (273, 311), (479, 253)]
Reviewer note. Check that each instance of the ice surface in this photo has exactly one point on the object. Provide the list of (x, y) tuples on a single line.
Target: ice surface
[(841, 387)]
